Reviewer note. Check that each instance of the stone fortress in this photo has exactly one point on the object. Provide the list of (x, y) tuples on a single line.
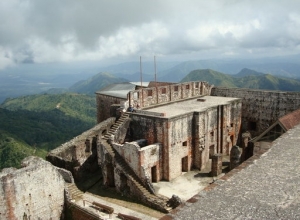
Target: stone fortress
[(174, 128)]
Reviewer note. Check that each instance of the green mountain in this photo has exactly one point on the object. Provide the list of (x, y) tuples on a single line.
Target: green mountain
[(269, 82), (38, 123), (211, 76), (95, 83), (247, 72), (245, 79)]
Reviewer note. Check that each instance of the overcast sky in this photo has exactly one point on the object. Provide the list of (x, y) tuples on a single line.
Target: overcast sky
[(42, 31)]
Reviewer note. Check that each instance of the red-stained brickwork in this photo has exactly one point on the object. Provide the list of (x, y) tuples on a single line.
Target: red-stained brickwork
[(261, 108)]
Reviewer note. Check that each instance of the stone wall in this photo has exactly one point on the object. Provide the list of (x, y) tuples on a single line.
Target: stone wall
[(151, 162), (35, 191), (104, 103), (142, 158), (261, 108), (189, 139), (154, 130), (168, 93), (179, 149), (79, 155)]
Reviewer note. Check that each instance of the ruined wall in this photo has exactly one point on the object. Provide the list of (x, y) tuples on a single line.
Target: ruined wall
[(154, 130), (260, 108), (103, 106), (151, 162), (142, 158), (79, 155), (130, 153), (35, 191)]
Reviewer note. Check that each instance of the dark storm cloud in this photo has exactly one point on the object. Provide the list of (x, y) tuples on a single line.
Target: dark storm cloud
[(47, 31)]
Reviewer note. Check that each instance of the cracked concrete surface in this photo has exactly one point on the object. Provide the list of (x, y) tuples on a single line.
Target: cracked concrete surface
[(267, 189)]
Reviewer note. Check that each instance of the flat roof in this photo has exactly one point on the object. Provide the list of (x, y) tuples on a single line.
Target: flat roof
[(192, 105)]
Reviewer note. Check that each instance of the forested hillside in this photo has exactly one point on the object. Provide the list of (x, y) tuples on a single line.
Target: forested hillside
[(13, 150), (33, 125)]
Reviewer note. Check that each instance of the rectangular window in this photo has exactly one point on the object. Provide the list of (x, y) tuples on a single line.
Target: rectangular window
[(252, 126), (135, 95), (187, 86), (176, 88), (163, 90), (150, 92)]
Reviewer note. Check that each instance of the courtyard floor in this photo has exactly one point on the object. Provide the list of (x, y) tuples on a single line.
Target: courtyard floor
[(185, 186)]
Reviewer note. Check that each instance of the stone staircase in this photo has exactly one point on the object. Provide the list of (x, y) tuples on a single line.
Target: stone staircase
[(74, 192), (158, 202)]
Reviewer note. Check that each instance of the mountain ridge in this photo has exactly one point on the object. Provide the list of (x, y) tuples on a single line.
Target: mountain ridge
[(245, 79)]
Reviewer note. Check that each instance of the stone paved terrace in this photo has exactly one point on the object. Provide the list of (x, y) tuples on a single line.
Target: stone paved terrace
[(269, 188), (198, 104)]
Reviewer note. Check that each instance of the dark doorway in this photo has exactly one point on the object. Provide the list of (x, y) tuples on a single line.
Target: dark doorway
[(185, 164), (110, 175), (154, 174), (211, 151)]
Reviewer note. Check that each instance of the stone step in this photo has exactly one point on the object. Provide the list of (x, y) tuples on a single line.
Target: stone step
[(74, 192)]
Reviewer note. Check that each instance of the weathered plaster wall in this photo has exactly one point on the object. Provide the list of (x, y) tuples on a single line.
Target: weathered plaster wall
[(154, 130), (148, 127), (216, 131), (79, 155), (260, 108), (131, 154), (103, 106), (35, 191), (180, 145), (151, 156), (141, 158)]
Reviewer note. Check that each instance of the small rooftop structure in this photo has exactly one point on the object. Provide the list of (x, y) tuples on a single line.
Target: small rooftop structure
[(119, 90)]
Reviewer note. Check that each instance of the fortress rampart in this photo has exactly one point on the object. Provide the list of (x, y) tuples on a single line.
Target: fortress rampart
[(261, 108), (151, 96), (79, 154)]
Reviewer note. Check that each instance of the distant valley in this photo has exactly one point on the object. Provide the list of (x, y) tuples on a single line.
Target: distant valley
[(38, 78)]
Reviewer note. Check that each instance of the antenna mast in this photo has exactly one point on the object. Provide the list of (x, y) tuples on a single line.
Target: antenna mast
[(141, 71), (155, 70)]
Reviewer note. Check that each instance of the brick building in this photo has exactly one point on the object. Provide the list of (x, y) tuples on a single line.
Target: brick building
[(175, 128)]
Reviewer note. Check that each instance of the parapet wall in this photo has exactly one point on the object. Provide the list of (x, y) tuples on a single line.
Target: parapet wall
[(163, 94), (261, 108), (80, 153), (35, 191)]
